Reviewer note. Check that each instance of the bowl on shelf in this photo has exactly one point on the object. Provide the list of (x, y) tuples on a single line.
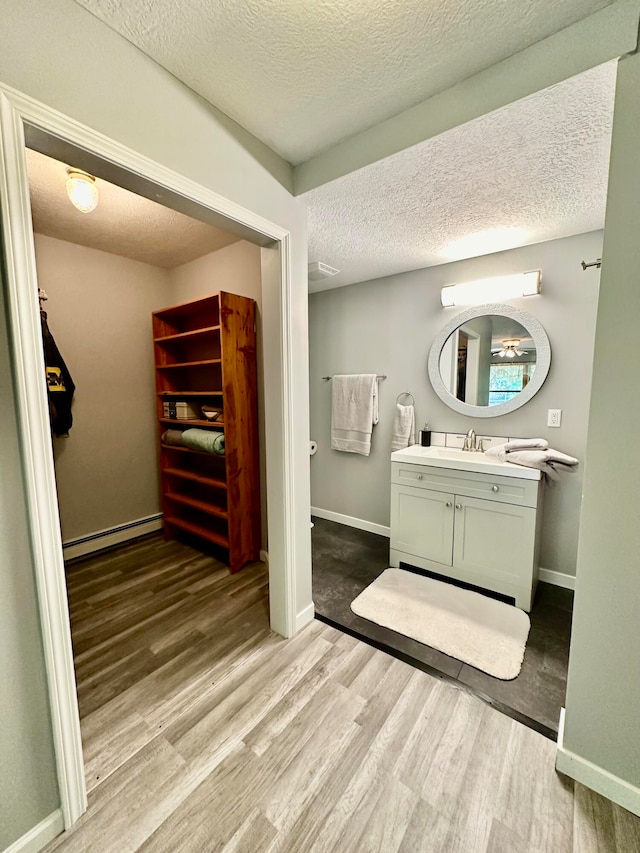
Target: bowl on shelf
[(210, 414)]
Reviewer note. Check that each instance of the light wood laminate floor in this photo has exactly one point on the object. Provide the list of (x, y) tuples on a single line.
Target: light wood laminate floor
[(203, 731)]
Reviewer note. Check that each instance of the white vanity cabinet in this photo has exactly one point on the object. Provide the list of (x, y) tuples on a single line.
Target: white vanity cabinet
[(476, 527)]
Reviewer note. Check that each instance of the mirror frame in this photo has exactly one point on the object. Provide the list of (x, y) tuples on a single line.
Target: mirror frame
[(543, 360)]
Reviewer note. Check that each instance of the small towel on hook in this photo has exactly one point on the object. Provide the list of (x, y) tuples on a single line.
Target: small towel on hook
[(404, 427), (354, 411)]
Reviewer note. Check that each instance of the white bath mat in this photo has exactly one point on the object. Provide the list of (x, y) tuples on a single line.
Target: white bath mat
[(466, 625)]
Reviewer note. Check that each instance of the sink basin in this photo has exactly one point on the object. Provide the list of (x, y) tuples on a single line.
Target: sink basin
[(462, 460)]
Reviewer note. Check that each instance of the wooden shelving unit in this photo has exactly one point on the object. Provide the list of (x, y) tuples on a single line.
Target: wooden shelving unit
[(205, 354)]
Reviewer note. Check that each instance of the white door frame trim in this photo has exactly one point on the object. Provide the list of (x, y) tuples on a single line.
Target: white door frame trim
[(16, 110)]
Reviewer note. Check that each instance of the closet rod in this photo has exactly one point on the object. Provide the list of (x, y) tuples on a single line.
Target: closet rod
[(327, 378)]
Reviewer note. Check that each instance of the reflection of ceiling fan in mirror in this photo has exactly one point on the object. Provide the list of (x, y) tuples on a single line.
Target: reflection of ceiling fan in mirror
[(510, 349)]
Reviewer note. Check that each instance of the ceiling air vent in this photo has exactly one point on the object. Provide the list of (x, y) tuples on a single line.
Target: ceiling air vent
[(318, 270)]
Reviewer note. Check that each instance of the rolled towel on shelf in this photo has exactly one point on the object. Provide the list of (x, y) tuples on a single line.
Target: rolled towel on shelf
[(173, 437), (204, 440)]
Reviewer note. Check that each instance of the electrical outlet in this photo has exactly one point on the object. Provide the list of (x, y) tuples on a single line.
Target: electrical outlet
[(554, 417)]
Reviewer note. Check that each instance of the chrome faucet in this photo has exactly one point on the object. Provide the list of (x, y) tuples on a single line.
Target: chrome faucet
[(469, 442), (472, 442)]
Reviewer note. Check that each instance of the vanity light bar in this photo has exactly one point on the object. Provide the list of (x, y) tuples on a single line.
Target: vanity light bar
[(491, 289)]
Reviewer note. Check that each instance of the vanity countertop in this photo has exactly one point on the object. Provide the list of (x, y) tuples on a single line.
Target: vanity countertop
[(462, 460)]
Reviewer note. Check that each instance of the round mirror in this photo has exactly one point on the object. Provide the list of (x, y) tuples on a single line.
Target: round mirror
[(489, 360)]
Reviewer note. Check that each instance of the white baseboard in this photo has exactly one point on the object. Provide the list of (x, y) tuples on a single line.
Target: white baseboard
[(305, 616), (350, 521), (38, 837), (594, 777), (264, 556), (557, 578), (111, 536), (546, 575)]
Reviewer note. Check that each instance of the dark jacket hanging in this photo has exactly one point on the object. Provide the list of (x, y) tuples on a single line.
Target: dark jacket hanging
[(60, 385)]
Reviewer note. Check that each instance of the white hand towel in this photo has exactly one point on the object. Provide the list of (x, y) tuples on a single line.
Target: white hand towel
[(557, 458), (354, 411), (548, 460), (404, 427), (532, 459), (499, 451), (526, 444)]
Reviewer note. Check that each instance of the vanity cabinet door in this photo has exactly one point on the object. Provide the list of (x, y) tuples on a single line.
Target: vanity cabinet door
[(422, 523), (494, 540)]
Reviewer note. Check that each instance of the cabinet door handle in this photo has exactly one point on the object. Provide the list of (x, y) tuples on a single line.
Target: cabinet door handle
[(447, 503), (458, 506), (418, 476), (495, 488)]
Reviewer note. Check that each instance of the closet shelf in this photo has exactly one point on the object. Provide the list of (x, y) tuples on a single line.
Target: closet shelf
[(177, 364), (187, 336), (180, 449), (202, 506), (210, 343), (190, 393), (192, 422), (188, 309), (195, 478), (197, 530)]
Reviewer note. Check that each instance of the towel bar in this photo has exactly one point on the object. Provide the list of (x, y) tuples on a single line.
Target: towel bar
[(327, 378)]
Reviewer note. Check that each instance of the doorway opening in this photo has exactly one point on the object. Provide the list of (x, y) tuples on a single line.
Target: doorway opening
[(27, 126), (151, 615)]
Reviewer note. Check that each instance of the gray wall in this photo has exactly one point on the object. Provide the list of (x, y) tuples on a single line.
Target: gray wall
[(28, 785), (99, 312), (603, 698), (63, 56), (387, 326)]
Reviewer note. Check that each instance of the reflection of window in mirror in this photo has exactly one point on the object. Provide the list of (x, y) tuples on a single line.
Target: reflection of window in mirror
[(507, 380), (483, 362)]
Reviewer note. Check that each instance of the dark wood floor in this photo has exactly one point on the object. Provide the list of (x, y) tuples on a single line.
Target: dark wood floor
[(203, 731), (346, 560)]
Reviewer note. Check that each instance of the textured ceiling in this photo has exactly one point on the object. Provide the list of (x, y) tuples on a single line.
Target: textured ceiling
[(123, 223), (535, 170), (302, 76)]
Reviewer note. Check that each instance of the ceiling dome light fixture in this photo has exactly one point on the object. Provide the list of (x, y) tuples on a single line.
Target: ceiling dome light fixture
[(82, 190), (510, 348)]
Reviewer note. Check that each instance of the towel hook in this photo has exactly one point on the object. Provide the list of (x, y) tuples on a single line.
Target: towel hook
[(405, 394)]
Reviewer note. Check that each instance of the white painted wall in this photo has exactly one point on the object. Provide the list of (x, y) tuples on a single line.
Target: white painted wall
[(62, 56), (603, 691), (387, 326)]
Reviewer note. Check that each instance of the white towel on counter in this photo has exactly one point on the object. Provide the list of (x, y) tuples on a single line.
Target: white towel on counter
[(526, 444), (404, 427), (354, 411), (548, 460)]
